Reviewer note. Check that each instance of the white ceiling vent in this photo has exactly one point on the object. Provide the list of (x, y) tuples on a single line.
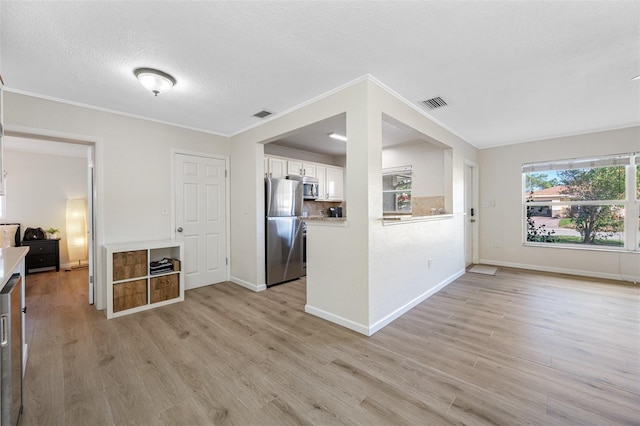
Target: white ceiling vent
[(262, 114), (434, 103)]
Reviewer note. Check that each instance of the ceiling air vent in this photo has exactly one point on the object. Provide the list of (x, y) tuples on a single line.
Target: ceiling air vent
[(434, 103), (262, 114)]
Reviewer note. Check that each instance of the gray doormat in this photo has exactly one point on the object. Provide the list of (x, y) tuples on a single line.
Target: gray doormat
[(482, 269)]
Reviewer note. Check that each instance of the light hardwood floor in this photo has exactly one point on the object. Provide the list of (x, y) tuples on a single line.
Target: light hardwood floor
[(515, 348)]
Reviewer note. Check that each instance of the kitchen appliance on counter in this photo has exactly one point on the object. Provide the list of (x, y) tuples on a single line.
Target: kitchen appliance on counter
[(309, 186), (335, 212), (284, 230), (11, 351)]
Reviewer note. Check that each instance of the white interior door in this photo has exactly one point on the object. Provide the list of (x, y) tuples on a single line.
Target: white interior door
[(200, 212), (90, 224), (470, 217)]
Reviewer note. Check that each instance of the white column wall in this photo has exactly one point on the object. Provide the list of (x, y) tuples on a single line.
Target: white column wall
[(337, 274), (398, 254)]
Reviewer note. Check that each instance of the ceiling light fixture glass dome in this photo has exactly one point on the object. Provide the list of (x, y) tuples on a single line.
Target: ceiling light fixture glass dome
[(155, 80)]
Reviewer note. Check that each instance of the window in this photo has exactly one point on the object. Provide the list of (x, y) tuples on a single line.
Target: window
[(590, 202), (396, 190)]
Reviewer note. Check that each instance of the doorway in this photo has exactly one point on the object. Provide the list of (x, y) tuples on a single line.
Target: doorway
[(201, 217), (38, 161), (471, 213)]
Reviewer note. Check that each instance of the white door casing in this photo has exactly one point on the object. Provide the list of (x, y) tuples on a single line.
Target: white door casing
[(200, 186), (471, 213)]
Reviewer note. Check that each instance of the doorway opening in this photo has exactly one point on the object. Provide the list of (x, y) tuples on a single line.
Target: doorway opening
[(43, 173)]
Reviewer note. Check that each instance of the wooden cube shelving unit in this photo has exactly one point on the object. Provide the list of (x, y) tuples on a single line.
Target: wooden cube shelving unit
[(131, 287)]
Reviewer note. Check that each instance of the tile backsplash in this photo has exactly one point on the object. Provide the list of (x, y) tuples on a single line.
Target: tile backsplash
[(421, 206), (320, 208)]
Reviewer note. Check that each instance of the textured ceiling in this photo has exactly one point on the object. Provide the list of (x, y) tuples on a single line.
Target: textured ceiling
[(510, 71)]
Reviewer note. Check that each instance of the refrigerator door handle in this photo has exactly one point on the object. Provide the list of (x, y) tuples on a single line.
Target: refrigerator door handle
[(4, 332)]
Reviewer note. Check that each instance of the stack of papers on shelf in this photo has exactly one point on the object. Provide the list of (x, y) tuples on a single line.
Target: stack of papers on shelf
[(161, 266)]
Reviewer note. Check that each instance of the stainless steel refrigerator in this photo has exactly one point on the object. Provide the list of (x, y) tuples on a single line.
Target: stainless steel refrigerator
[(283, 202), (11, 351)]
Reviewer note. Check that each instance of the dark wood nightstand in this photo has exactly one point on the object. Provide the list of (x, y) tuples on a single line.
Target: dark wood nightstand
[(42, 254)]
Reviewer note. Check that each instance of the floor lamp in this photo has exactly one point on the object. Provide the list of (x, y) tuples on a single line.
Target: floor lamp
[(77, 230)]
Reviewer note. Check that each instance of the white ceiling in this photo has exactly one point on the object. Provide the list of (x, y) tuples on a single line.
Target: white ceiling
[(511, 71)]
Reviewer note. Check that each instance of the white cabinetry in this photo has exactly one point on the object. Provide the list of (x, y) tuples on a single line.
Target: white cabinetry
[(331, 183), (321, 172), (299, 168), (275, 167), (335, 183), (133, 285), (330, 178)]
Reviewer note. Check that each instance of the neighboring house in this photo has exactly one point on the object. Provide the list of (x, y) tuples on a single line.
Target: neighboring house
[(554, 195)]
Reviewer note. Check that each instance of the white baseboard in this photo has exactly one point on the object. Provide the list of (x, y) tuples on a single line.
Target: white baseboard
[(378, 325), (577, 272), (248, 285), (336, 319), (369, 331)]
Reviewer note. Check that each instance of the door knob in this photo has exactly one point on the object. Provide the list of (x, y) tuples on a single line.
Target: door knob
[(179, 229)]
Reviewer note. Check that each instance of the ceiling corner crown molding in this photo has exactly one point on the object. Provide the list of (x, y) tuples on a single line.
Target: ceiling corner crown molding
[(110, 111)]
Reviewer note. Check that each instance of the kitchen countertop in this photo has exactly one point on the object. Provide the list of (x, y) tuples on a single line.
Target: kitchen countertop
[(10, 258), (323, 219), (392, 220)]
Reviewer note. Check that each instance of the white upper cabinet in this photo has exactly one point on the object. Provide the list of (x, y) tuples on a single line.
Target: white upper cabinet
[(330, 183), (330, 178), (335, 183), (276, 167), (321, 174), (295, 167)]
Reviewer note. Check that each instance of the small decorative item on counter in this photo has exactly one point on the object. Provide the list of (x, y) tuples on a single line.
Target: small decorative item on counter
[(441, 210)]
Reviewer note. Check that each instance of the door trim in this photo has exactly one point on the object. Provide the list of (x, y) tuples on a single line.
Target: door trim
[(227, 224), (96, 209), (475, 193)]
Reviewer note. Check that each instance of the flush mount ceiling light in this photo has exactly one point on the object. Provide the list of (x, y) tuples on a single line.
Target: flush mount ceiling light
[(338, 137), (155, 80)]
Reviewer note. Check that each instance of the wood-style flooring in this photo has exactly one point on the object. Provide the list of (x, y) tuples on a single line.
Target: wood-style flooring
[(512, 349)]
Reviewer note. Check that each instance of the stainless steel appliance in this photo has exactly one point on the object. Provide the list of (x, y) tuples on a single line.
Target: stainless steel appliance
[(11, 351), (335, 212), (304, 247), (309, 186), (284, 244)]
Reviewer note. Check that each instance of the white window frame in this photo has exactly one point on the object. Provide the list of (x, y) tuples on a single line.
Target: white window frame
[(631, 202)]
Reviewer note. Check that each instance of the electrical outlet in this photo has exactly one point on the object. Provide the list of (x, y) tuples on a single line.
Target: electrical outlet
[(497, 243), (485, 204), (492, 203), (164, 212)]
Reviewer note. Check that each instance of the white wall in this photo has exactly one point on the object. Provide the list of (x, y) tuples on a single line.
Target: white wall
[(501, 182), (427, 163), (133, 164), (398, 260), (38, 187)]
